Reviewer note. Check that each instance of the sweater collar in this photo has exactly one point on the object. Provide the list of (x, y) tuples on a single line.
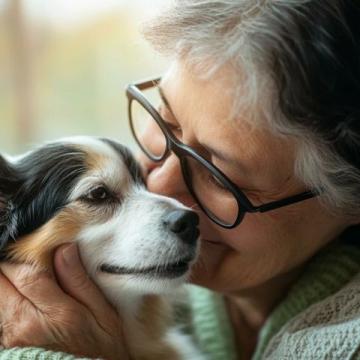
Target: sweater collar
[(326, 273)]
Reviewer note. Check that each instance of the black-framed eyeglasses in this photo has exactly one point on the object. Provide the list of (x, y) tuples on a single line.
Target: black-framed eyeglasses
[(221, 199)]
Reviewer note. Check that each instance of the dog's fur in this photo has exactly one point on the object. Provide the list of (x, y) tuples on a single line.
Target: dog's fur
[(90, 191)]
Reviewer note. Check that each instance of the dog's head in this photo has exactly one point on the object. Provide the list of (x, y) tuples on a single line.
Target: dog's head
[(90, 191)]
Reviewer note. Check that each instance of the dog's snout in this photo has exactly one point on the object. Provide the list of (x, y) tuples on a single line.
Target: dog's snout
[(184, 224)]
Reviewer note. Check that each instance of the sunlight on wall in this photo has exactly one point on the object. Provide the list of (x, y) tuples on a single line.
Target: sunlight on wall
[(65, 65)]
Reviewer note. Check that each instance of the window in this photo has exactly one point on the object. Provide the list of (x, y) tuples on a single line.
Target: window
[(65, 65)]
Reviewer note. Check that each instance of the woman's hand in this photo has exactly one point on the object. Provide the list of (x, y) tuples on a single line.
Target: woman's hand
[(74, 318)]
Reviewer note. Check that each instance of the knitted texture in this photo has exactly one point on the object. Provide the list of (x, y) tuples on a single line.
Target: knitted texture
[(329, 329), (34, 354), (211, 326), (325, 274)]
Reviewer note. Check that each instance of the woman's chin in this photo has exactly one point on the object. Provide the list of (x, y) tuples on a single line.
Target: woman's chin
[(204, 272)]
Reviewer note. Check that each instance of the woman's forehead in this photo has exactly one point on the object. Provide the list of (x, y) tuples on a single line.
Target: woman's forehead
[(203, 102)]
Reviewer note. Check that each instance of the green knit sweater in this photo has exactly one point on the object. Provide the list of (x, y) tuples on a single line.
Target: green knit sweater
[(325, 275)]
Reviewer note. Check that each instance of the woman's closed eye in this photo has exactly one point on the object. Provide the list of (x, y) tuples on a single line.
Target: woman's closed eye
[(212, 181), (168, 119), (175, 129)]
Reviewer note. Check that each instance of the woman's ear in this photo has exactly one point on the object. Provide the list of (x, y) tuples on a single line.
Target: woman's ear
[(9, 186)]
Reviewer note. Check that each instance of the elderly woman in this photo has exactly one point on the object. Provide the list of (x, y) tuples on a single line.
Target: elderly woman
[(259, 126)]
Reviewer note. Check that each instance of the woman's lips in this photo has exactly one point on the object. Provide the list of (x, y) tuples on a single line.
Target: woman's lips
[(212, 241)]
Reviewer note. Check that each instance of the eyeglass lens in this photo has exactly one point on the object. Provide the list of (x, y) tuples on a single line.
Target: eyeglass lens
[(209, 190), (217, 201), (147, 131)]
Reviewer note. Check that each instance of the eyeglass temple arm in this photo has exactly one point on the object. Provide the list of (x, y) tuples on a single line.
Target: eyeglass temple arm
[(288, 201), (146, 84)]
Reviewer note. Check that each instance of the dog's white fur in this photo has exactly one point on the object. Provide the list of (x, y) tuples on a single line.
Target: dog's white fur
[(132, 237)]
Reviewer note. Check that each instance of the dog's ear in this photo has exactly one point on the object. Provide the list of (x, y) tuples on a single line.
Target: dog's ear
[(9, 185)]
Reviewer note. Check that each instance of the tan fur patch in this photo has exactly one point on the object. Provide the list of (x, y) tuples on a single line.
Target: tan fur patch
[(37, 247), (94, 160)]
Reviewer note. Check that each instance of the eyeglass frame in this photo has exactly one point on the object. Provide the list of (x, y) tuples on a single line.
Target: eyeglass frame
[(134, 91)]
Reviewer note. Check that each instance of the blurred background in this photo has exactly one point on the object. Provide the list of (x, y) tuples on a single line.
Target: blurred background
[(64, 67)]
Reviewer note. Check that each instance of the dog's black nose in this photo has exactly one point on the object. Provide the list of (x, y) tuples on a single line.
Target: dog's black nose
[(184, 224)]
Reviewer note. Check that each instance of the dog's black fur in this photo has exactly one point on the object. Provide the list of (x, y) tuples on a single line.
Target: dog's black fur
[(34, 188)]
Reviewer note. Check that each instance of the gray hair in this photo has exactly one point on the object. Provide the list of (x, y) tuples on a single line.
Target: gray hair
[(301, 50)]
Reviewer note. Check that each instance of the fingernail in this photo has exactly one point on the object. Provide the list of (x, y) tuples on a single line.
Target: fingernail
[(70, 255)]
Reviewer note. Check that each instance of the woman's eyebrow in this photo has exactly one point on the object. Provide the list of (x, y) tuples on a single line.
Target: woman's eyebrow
[(219, 154), (215, 152)]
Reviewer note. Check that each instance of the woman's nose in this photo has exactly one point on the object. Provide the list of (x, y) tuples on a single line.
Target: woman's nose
[(166, 178)]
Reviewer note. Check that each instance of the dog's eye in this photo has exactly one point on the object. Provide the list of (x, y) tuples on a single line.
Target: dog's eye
[(98, 194)]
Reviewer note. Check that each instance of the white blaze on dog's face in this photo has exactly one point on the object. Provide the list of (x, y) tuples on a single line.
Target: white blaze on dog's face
[(90, 191)]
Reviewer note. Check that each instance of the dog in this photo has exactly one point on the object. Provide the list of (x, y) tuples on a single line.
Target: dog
[(137, 246)]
